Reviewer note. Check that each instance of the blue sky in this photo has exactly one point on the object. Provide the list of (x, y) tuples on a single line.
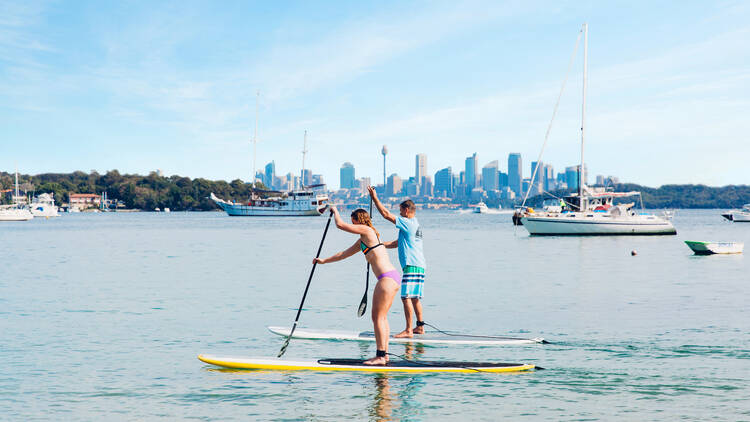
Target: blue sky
[(138, 86)]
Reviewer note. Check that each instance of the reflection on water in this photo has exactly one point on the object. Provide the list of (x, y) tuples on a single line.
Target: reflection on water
[(402, 395)]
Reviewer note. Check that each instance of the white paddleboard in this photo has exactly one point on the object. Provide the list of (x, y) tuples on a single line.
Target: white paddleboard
[(427, 338), (357, 365)]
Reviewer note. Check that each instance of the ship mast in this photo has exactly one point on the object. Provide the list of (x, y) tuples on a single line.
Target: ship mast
[(304, 152), (582, 171), (255, 139)]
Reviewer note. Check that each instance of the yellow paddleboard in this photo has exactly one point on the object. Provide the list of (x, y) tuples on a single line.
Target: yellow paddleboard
[(357, 365)]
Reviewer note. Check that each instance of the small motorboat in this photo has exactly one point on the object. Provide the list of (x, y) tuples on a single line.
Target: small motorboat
[(741, 216), (710, 248)]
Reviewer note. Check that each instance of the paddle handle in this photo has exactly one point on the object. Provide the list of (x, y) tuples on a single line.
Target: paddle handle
[(307, 287)]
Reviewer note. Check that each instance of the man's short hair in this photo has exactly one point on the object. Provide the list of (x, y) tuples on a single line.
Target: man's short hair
[(408, 205)]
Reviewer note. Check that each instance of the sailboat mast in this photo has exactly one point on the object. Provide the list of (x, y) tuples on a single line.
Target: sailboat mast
[(582, 171), (255, 139), (304, 152), (15, 200)]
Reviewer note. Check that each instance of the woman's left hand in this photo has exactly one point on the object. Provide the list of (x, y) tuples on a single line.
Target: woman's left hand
[(319, 261)]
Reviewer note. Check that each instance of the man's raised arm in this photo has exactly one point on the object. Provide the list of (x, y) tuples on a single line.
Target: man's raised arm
[(381, 209)]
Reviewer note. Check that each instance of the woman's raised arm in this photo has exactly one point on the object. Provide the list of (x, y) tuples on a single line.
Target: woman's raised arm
[(346, 253)]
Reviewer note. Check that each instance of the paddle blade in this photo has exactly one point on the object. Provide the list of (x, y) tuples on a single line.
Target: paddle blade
[(362, 306)]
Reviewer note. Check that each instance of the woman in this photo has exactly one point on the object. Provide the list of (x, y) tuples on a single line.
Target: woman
[(389, 280)]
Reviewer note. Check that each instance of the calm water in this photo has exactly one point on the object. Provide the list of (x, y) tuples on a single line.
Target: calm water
[(102, 316)]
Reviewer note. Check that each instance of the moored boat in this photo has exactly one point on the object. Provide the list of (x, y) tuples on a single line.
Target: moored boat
[(710, 248), (299, 203), (44, 206), (481, 208), (16, 211), (590, 211), (740, 216)]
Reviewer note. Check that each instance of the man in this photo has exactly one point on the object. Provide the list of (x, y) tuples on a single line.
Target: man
[(411, 257)]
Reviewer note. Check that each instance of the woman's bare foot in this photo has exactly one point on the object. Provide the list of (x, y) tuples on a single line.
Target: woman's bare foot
[(407, 333), (376, 361), (419, 330)]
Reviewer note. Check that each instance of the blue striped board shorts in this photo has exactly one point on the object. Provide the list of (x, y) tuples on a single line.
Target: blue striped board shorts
[(412, 282)]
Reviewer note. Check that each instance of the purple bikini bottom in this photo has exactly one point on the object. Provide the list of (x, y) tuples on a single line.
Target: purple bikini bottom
[(393, 274)]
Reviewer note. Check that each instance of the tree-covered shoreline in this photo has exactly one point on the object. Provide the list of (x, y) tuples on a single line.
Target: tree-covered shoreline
[(183, 193)]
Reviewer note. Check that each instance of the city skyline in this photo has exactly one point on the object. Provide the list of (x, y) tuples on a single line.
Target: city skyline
[(137, 86)]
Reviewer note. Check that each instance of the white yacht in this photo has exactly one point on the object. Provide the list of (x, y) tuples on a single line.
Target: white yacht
[(740, 216), (481, 208), (592, 211), (16, 211), (44, 206)]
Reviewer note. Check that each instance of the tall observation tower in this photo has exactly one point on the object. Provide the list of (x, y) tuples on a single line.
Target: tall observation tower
[(384, 152)]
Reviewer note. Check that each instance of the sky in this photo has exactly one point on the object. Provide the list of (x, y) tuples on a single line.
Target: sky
[(141, 85)]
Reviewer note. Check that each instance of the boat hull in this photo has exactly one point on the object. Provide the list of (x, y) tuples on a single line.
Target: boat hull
[(711, 248), (250, 211), (596, 226), (15, 215)]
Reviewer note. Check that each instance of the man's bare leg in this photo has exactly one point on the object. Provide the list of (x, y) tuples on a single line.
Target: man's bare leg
[(417, 304), (409, 314), (382, 298)]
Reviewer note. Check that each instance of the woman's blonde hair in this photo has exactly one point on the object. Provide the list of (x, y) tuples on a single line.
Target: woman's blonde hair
[(360, 216)]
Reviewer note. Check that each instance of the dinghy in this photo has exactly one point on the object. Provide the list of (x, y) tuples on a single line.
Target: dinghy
[(710, 248)]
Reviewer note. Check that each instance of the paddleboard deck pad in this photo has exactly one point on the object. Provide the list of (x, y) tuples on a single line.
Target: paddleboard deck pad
[(358, 365), (427, 338)]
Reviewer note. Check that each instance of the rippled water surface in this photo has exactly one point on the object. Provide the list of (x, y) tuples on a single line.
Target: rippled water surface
[(102, 316)]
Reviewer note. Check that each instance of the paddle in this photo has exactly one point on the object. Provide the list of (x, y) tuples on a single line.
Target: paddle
[(299, 311), (363, 303)]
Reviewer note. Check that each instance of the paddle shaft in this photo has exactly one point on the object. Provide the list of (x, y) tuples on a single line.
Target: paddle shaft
[(307, 287), (363, 304)]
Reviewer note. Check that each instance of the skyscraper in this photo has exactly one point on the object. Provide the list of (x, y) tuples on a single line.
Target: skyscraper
[(571, 177), (471, 172), (490, 180), (538, 187), (420, 168), (549, 177), (270, 174), (515, 173), (395, 184), (346, 176), (306, 177), (444, 182)]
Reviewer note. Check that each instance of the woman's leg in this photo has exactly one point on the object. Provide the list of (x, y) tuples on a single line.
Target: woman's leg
[(382, 298)]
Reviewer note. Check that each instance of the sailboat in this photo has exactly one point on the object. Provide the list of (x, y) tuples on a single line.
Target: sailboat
[(269, 203), (16, 211), (592, 211)]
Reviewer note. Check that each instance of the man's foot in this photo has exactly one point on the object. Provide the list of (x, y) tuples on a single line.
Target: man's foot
[(405, 334), (419, 330), (376, 361)]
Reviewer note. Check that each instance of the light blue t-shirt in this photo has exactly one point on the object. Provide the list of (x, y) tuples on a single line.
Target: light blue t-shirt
[(409, 242)]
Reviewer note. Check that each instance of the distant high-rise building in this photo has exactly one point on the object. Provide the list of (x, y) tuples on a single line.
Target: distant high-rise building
[(571, 177), (538, 186), (472, 168), (411, 188), (364, 183), (490, 180), (425, 187), (394, 186), (515, 173), (600, 180), (346, 176), (502, 179), (420, 168), (270, 174), (317, 179), (549, 177), (306, 176), (444, 182)]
